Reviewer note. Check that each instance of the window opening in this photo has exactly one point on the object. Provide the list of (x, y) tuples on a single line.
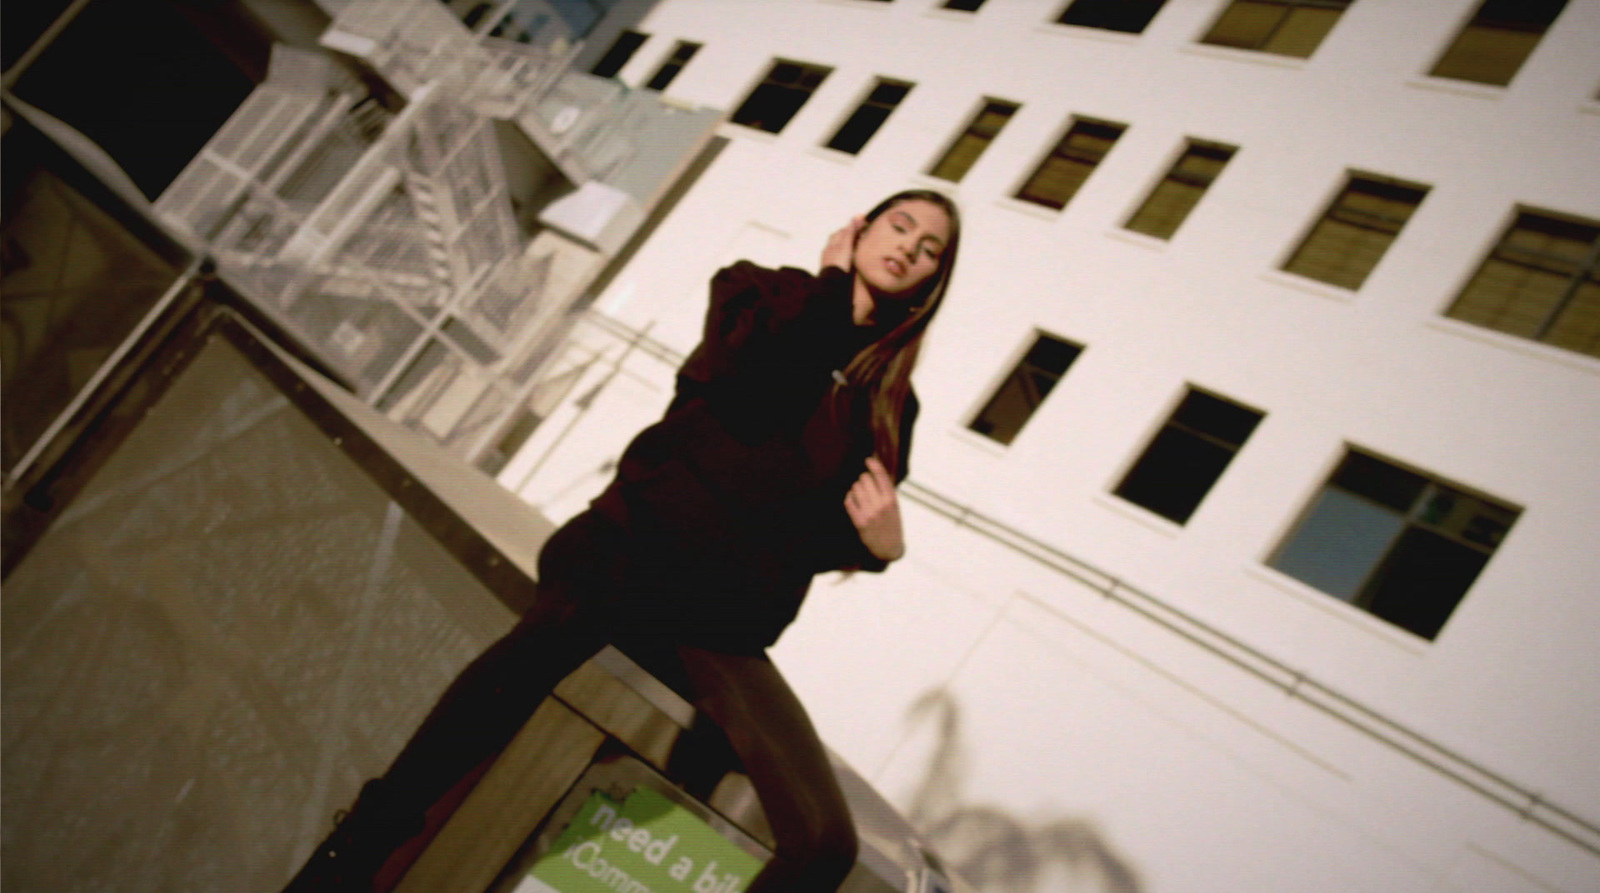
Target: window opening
[(1058, 177), (965, 149), (622, 49), (885, 95), (1114, 15), (1019, 396), (1284, 27), (680, 56), (1499, 37), (1188, 455), (1170, 202), (786, 87), (1540, 281), (1398, 544), (1356, 230)]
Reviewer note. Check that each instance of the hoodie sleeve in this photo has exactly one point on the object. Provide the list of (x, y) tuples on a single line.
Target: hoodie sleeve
[(760, 320)]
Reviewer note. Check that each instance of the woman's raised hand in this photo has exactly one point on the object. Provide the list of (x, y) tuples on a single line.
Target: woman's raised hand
[(875, 510), (841, 247)]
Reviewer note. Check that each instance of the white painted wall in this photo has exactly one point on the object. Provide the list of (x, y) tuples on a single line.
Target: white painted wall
[(1203, 777)]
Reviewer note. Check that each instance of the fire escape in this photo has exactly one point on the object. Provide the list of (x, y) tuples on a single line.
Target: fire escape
[(431, 242)]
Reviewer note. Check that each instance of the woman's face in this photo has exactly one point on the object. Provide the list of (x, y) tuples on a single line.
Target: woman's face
[(901, 247)]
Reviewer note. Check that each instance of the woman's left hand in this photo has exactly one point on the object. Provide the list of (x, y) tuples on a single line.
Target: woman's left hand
[(875, 510)]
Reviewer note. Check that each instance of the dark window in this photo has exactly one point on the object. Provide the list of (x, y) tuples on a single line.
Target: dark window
[(1114, 15), (622, 49), (681, 54), (1497, 39), (1401, 545), (963, 5), (1187, 455), (780, 95), (869, 115), (964, 150), (509, 28), (1541, 281), (1175, 196), (1355, 231), (1285, 27), (1057, 178), (1025, 388), (476, 14)]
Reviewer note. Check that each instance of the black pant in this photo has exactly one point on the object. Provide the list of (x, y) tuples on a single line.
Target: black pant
[(581, 569)]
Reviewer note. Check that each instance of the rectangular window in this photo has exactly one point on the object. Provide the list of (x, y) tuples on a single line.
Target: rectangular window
[(1541, 281), (780, 95), (1025, 388), (1398, 544), (681, 54), (1285, 27), (1058, 176), (964, 150), (963, 5), (1114, 15), (1497, 40), (1188, 455), (1356, 230), (622, 49), (869, 115), (1164, 210)]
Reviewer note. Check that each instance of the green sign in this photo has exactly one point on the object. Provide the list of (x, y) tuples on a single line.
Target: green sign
[(644, 844)]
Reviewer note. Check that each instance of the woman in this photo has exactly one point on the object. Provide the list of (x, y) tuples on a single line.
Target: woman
[(776, 460)]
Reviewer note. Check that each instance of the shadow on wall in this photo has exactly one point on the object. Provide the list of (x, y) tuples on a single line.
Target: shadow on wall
[(995, 851)]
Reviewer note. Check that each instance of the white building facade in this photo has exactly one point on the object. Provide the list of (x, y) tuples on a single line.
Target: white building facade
[(1252, 536)]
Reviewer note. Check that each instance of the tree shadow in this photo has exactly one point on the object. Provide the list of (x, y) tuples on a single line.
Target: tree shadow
[(992, 849)]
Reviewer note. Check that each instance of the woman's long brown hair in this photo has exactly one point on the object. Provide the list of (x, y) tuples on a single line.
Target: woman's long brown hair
[(884, 366)]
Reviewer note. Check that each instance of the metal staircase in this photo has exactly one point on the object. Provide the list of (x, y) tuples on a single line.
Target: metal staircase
[(390, 237)]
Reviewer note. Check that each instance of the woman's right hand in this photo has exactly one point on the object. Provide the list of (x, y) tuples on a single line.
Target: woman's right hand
[(841, 248), (875, 510)]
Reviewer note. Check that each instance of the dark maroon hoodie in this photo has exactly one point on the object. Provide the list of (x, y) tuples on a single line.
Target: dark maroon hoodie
[(735, 498)]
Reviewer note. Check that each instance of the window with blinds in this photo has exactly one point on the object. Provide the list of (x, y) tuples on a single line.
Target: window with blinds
[(1169, 203), (1356, 230), (1283, 27), (964, 150), (1062, 172), (1499, 37), (1540, 281)]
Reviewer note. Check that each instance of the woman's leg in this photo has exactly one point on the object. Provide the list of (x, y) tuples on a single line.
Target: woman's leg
[(475, 718), (481, 711), (773, 737), (580, 567)]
